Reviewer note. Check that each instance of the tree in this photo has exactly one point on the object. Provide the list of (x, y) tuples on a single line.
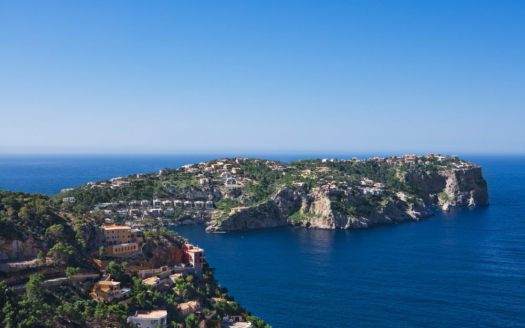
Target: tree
[(102, 252), (34, 289), (71, 273), (55, 232), (192, 321), (115, 269), (60, 252), (41, 256)]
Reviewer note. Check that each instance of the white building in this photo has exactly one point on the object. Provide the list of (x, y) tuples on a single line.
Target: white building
[(145, 203), (199, 204), (209, 204), (122, 212), (134, 203), (69, 199), (149, 319), (167, 203), (156, 202), (230, 182), (177, 203), (187, 204), (226, 175)]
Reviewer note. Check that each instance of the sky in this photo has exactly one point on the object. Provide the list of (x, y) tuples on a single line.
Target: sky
[(163, 77)]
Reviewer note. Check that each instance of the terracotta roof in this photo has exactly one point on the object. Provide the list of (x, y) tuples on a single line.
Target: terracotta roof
[(188, 305), (116, 227), (151, 281), (108, 283)]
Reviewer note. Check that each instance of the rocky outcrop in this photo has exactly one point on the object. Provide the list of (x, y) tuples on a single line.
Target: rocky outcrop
[(162, 252), (318, 210), (94, 237), (271, 214), (453, 187), (392, 211), (15, 249)]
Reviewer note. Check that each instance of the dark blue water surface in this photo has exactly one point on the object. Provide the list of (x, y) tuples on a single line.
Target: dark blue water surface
[(465, 268)]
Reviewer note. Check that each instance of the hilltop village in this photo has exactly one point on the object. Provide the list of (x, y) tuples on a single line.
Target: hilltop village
[(213, 192), (69, 268)]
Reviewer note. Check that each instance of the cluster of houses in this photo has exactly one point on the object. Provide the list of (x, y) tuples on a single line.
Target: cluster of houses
[(368, 188), (155, 208), (408, 159), (371, 188), (124, 241)]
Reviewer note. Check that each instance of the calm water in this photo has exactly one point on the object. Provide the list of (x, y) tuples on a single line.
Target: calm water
[(465, 268)]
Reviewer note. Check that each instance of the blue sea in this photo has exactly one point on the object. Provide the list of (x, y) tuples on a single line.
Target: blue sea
[(464, 268)]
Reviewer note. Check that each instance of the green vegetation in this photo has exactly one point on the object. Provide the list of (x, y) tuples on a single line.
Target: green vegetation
[(174, 184), (70, 305), (444, 197), (298, 216)]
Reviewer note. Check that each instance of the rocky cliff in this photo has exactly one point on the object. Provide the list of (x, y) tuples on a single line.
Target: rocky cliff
[(454, 187), (352, 210), (291, 207), (15, 249)]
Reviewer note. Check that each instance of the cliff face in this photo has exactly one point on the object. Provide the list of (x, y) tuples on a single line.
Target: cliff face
[(161, 252), (272, 214), (461, 187), (317, 211), (14, 249), (391, 211), (454, 187)]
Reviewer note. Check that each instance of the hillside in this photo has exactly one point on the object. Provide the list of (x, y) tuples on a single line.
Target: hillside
[(53, 257), (247, 193)]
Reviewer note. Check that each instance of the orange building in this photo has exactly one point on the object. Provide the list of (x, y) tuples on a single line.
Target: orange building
[(122, 241), (122, 235)]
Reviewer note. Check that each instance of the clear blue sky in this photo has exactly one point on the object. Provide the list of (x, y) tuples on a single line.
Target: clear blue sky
[(262, 76)]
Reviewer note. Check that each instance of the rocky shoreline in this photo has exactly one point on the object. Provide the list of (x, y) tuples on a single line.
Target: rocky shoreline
[(465, 187)]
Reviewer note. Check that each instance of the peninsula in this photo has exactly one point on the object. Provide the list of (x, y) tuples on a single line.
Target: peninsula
[(232, 194)]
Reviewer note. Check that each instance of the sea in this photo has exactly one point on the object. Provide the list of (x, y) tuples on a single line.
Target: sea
[(463, 268)]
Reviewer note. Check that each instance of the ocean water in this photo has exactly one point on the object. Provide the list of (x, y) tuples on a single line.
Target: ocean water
[(464, 268)]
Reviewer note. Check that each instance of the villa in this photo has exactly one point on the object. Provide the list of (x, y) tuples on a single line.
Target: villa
[(189, 307), (149, 319), (193, 255), (199, 204), (106, 291), (134, 203), (230, 182)]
